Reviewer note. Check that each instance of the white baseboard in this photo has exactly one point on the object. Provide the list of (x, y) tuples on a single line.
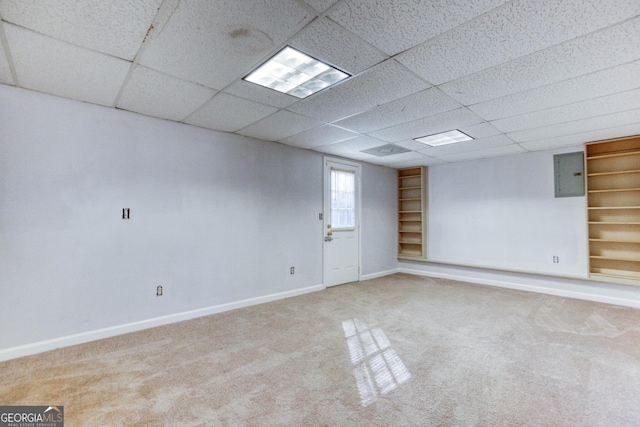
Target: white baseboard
[(558, 290), (379, 274), (42, 346)]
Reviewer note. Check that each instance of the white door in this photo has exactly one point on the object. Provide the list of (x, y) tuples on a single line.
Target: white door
[(341, 225)]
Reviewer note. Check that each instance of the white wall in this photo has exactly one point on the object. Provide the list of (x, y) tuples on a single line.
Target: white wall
[(489, 216), (502, 213), (215, 218)]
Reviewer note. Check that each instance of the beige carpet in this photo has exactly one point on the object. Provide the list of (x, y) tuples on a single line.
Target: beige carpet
[(399, 350)]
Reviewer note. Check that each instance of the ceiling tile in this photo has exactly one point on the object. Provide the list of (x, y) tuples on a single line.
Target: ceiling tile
[(113, 27), (428, 126), (516, 29), (593, 85), (579, 139), (482, 154), (355, 155), (466, 146), (229, 113), (481, 130), (426, 161), (398, 158), (214, 42), (260, 94), (410, 144), (71, 71), (325, 40), (158, 95), (320, 5), (422, 104), (323, 135), (279, 126), (383, 83), (5, 70), (580, 110), (578, 126), (394, 26), (603, 49), (354, 145)]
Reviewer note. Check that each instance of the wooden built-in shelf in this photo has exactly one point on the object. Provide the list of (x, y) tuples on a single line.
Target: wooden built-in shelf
[(614, 190), (612, 223), (614, 173), (613, 206), (634, 242), (624, 153), (412, 209)]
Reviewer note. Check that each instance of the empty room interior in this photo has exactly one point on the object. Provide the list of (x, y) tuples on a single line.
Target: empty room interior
[(321, 212)]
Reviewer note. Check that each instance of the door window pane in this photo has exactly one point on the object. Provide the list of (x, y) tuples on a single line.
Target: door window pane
[(343, 209)]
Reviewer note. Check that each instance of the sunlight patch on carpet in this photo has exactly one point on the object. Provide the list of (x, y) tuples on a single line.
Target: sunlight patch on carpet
[(377, 367)]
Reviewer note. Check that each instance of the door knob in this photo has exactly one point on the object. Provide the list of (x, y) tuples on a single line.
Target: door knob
[(329, 233)]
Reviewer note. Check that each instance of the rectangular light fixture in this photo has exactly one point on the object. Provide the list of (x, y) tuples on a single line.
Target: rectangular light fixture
[(449, 137), (295, 73)]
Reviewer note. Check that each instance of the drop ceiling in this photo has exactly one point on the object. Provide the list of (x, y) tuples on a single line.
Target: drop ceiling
[(517, 76)]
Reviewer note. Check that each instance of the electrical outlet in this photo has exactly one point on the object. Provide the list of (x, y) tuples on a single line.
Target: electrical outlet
[(159, 291), (292, 270), (556, 259)]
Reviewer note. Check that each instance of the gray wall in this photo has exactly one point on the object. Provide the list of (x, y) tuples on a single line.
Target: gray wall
[(215, 218), (379, 219)]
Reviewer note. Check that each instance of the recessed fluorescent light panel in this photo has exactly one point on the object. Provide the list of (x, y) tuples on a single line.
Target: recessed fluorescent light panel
[(295, 73), (450, 137)]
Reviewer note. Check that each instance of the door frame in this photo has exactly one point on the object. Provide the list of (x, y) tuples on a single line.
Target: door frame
[(358, 167)]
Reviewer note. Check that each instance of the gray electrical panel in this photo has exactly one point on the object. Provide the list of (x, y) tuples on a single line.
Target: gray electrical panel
[(568, 171)]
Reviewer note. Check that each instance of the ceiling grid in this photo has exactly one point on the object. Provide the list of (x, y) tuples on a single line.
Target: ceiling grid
[(515, 75)]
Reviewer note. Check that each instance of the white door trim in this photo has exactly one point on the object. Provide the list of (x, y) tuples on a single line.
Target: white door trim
[(358, 167)]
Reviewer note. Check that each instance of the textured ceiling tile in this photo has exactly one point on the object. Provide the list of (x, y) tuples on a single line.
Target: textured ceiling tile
[(394, 26), (578, 126), (114, 27), (320, 5), (279, 126), (58, 68), (580, 110), (603, 49), (466, 146), (398, 158), (335, 151), (158, 95), (323, 135), (215, 42), (600, 83), (356, 145), (260, 94), (426, 161), (422, 104), (5, 70), (383, 83), (516, 29), (229, 113), (325, 40), (412, 145), (428, 126), (581, 138), (482, 154), (481, 130)]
